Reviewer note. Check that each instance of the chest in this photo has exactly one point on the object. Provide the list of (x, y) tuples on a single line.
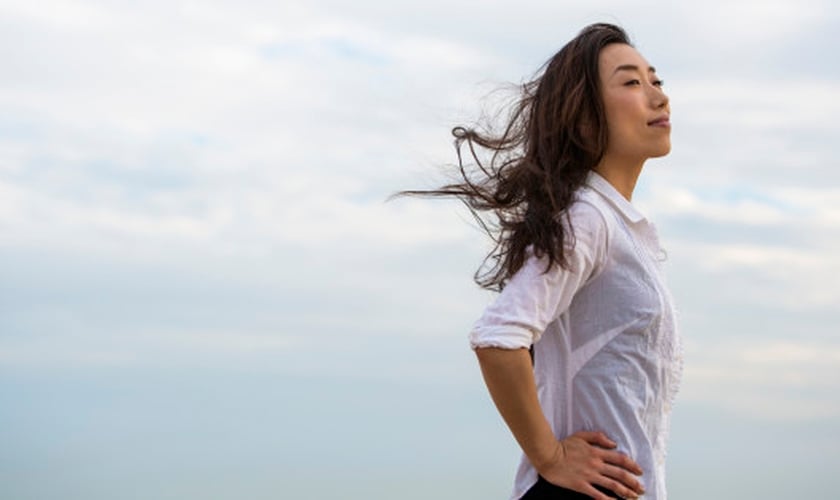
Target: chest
[(628, 293)]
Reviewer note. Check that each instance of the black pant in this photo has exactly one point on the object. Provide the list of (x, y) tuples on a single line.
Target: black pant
[(543, 490)]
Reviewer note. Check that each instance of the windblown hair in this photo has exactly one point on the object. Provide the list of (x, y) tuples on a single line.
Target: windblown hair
[(556, 133)]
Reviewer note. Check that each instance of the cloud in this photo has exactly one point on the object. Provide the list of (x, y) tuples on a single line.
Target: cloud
[(752, 24), (193, 134), (151, 348), (754, 378), (60, 13), (192, 222)]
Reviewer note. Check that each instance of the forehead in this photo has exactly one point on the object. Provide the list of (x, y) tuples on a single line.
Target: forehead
[(618, 54)]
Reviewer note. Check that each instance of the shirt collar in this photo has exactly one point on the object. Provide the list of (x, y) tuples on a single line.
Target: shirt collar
[(606, 190)]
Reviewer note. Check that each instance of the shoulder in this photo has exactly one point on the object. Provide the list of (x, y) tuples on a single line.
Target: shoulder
[(590, 207), (589, 220)]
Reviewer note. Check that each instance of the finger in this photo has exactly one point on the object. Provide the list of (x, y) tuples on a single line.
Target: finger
[(621, 460), (596, 438), (625, 478), (616, 487)]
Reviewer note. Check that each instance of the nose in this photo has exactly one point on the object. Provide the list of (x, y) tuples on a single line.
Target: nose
[(658, 98)]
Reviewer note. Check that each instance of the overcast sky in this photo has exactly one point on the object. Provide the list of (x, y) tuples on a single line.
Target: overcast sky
[(203, 293)]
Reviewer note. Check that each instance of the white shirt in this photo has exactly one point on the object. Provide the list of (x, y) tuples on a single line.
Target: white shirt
[(607, 356)]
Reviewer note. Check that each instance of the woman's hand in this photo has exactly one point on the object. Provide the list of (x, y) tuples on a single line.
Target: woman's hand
[(585, 459), (578, 462)]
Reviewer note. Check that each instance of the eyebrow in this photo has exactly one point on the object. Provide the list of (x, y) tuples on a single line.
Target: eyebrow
[(632, 67)]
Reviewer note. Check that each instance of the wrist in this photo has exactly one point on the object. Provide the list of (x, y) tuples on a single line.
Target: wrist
[(547, 456)]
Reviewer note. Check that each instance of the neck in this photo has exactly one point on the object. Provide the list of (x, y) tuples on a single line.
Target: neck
[(621, 174)]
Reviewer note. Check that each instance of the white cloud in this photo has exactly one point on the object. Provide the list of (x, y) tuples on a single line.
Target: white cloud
[(197, 184), (793, 353), (130, 347), (775, 379), (740, 103), (753, 23), (76, 15), (675, 201), (788, 277), (217, 128)]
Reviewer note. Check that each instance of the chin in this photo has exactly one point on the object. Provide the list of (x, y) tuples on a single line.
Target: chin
[(661, 151)]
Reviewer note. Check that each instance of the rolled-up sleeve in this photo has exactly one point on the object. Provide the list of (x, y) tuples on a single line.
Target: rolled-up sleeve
[(534, 297)]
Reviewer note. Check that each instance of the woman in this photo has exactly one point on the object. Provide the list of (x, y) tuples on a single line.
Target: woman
[(579, 272)]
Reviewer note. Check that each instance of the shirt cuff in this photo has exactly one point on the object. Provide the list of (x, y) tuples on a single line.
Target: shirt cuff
[(506, 337)]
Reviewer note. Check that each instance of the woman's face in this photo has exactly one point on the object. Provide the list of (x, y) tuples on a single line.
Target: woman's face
[(637, 111)]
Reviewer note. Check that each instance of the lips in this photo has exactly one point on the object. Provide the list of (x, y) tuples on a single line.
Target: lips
[(662, 121)]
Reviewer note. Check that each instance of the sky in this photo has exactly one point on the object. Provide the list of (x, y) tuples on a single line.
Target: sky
[(204, 293)]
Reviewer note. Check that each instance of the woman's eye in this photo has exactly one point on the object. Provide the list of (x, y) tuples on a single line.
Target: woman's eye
[(659, 83), (632, 83)]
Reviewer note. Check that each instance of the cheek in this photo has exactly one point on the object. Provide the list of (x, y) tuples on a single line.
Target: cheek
[(621, 110), (620, 125)]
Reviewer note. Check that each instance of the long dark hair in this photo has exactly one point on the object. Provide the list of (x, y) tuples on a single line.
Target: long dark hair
[(556, 133)]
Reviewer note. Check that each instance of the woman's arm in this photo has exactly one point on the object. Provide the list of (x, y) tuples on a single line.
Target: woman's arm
[(510, 380), (577, 462)]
